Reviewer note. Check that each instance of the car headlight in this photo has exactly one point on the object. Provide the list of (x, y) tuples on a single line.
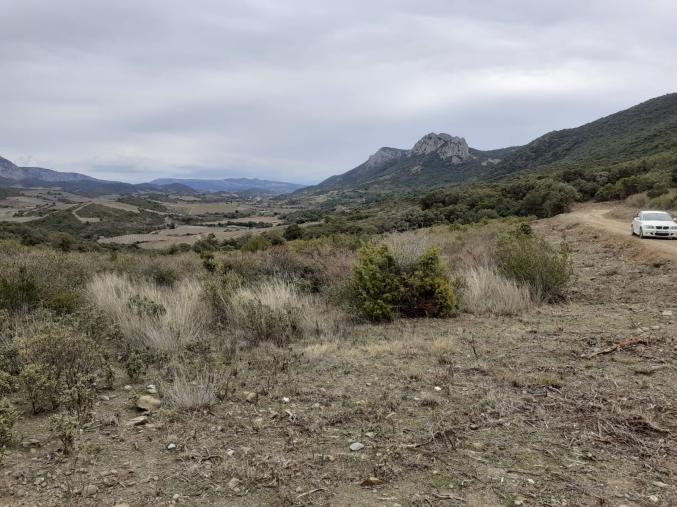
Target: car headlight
[(674, 228), (649, 227)]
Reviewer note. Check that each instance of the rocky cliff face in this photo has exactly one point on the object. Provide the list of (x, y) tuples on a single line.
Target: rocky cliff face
[(449, 148)]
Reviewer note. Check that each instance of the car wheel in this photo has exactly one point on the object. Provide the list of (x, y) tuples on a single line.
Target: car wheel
[(632, 230)]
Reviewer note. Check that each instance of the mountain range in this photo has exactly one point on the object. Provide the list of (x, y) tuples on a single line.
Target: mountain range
[(645, 130), (12, 175), (235, 185)]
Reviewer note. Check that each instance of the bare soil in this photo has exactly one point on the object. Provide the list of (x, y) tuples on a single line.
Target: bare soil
[(566, 405)]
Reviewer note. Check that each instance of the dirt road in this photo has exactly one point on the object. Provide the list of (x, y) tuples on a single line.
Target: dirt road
[(607, 218)]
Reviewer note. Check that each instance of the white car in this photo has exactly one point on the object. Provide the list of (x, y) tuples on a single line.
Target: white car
[(654, 224)]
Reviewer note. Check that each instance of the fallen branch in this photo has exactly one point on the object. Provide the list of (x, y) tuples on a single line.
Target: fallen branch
[(616, 346)]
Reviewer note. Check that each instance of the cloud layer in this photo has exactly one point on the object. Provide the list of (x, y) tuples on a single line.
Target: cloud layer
[(299, 90)]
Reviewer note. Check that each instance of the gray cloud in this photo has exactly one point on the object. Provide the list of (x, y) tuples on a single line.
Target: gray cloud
[(297, 90)]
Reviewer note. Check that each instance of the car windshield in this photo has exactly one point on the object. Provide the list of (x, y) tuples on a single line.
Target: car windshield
[(661, 217)]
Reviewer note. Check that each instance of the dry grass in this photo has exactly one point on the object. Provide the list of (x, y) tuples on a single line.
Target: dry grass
[(183, 320), (192, 394), (276, 311), (487, 292)]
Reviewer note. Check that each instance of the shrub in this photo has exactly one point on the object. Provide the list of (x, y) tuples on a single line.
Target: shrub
[(65, 428), (488, 292), (7, 384), (376, 286), (531, 260), (417, 286), (79, 398), (161, 274), (637, 201), (657, 190), (63, 352), (41, 386), (64, 303), (293, 232), (256, 243), (192, 394), (135, 365), (8, 418), (428, 292), (19, 294)]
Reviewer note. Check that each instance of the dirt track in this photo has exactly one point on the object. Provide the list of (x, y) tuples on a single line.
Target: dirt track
[(605, 218)]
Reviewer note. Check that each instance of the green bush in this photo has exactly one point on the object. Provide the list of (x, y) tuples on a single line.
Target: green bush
[(531, 260), (376, 285), (7, 384), (79, 398), (256, 243), (65, 428), (380, 288), (428, 292), (293, 232), (8, 418), (136, 365), (64, 303), (41, 387), (19, 294), (64, 351)]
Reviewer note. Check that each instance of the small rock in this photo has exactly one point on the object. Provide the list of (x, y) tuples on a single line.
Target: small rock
[(128, 387), (659, 484), (30, 442), (103, 397), (148, 403), (653, 498), (356, 446), (125, 504), (258, 423), (234, 484), (171, 447), (667, 313), (372, 481), (138, 421), (39, 481), (230, 452), (151, 389), (285, 400), (90, 490), (176, 496), (518, 501), (438, 388), (252, 397), (370, 434)]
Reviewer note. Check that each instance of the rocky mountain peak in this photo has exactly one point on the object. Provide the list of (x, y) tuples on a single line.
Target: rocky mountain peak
[(384, 156), (449, 148)]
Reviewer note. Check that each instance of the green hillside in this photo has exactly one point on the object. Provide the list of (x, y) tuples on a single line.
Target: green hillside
[(646, 130)]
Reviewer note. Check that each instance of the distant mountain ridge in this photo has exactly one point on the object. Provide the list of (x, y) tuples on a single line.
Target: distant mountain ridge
[(232, 185), (435, 159), (13, 175), (645, 130)]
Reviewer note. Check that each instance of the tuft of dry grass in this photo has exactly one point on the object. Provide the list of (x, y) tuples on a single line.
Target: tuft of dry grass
[(182, 320), (276, 311), (488, 292), (197, 393)]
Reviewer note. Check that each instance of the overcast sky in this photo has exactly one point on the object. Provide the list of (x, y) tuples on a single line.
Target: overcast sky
[(298, 90)]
